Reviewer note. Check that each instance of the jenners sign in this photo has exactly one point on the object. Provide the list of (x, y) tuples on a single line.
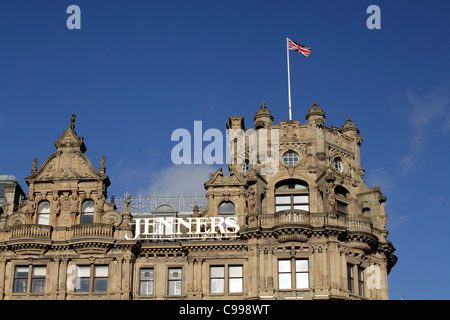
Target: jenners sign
[(189, 228)]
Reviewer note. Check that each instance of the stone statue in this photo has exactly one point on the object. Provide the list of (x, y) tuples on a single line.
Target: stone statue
[(72, 121), (331, 198), (34, 166), (54, 210), (6, 206), (126, 204)]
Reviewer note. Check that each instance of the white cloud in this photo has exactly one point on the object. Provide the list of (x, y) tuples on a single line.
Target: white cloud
[(188, 179), (427, 113)]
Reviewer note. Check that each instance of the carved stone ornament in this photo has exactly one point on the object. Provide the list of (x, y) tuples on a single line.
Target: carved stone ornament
[(16, 219), (112, 217)]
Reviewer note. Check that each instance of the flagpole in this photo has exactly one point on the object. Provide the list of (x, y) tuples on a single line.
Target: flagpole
[(289, 79)]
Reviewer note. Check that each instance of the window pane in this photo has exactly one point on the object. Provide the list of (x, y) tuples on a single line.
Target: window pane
[(301, 265), (100, 284), (38, 285), (217, 285), (44, 207), (83, 271), (175, 287), (303, 207), (20, 285), (146, 288), (284, 280), (284, 265), (281, 208), (87, 218), (235, 285), (301, 199), (302, 280), (235, 271), (174, 274), (82, 284), (44, 218), (101, 271), (22, 272), (226, 207), (87, 206), (146, 274), (283, 199), (217, 272), (290, 158)]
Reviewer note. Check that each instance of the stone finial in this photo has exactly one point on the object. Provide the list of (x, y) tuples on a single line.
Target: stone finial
[(72, 121), (316, 115), (263, 117), (126, 204), (102, 164), (34, 166), (349, 125)]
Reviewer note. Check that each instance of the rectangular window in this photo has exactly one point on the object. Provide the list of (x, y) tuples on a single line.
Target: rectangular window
[(301, 274), (26, 275), (226, 279), (91, 279), (175, 281), (293, 280), (350, 277), (361, 281), (100, 278), (146, 281), (235, 279), (292, 201), (21, 279), (83, 279), (284, 274), (217, 275), (38, 279)]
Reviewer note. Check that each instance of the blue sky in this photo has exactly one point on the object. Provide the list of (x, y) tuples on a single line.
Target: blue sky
[(138, 70)]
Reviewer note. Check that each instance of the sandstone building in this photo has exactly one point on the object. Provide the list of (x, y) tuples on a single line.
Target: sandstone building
[(312, 229)]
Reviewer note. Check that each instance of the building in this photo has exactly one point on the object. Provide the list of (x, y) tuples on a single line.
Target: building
[(11, 193), (311, 229)]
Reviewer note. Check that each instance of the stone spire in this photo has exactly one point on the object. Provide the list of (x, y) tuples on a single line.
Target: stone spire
[(263, 117), (315, 115)]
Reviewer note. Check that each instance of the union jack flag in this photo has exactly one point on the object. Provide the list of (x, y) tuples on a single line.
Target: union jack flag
[(304, 50)]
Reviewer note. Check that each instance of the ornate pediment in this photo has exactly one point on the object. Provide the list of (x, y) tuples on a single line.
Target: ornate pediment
[(66, 165), (219, 179), (68, 162)]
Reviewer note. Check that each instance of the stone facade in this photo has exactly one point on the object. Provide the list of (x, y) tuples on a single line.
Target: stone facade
[(312, 229)]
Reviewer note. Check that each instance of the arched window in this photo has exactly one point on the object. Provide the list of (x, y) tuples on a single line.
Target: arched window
[(87, 211), (226, 209), (43, 213), (291, 194)]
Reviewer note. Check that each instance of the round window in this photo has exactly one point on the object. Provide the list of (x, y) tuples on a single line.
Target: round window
[(290, 158)]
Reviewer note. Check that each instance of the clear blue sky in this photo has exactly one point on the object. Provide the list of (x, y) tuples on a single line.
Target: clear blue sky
[(137, 70)]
